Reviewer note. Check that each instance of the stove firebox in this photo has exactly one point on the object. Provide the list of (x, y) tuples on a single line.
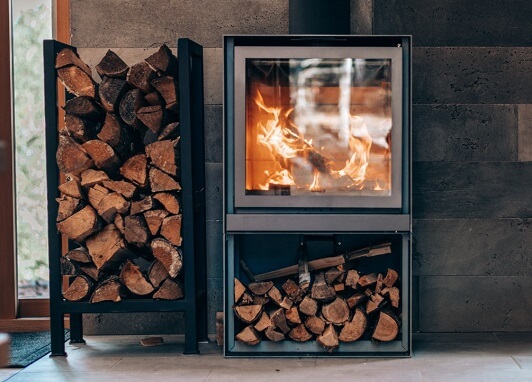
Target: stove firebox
[(317, 144)]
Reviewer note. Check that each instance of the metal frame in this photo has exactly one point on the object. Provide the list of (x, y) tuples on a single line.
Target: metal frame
[(241, 220), (193, 305)]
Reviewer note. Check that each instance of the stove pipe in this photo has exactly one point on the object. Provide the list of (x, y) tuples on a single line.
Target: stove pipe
[(319, 17)]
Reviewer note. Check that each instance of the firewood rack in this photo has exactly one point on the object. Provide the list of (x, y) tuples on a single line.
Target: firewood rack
[(193, 305)]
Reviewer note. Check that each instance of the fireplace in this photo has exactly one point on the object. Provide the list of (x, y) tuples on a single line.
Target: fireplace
[(317, 166)]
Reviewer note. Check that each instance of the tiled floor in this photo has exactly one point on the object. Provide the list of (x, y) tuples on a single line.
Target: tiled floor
[(453, 357)]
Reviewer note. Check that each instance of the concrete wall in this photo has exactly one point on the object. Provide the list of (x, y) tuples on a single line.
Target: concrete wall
[(472, 141)]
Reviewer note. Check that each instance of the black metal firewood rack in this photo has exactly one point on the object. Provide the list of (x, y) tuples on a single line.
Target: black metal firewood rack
[(193, 305)]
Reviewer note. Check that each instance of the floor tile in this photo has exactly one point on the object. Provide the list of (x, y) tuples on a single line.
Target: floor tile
[(524, 362)]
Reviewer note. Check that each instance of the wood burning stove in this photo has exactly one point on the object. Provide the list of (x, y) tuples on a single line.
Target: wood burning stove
[(317, 167)]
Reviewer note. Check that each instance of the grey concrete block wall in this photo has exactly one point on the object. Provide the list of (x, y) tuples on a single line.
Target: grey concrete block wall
[(472, 141)]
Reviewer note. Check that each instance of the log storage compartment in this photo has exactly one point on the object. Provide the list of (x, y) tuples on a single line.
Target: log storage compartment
[(131, 199), (317, 196)]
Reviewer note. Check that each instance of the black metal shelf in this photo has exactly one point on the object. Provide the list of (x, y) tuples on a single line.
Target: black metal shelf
[(194, 304)]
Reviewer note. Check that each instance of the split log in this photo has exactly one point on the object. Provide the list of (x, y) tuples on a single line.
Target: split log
[(247, 299), (80, 129), (151, 117), (170, 290), (239, 288), (171, 229), (293, 291), (263, 323), (136, 230), (103, 155), (67, 57), (163, 60), (96, 195), (169, 202), (91, 271), (367, 280), (112, 66), (352, 278), (160, 181), (167, 88), (67, 207), (260, 300), (68, 268), (130, 103), (320, 290), (313, 265), (299, 334), (107, 248), (111, 91), (286, 303), (248, 313), (84, 107), (170, 131), (80, 225), (135, 170), (108, 290), (134, 280), (116, 135), (248, 336), (315, 324), (273, 335), (91, 177), (378, 285), (328, 339), (112, 204), (260, 288), (140, 206), (167, 254), (71, 157), (355, 328), (140, 75), (374, 302), (154, 220), (308, 306), (337, 312), (71, 188), (386, 328), (356, 300), (164, 156), (393, 295), (332, 274), (119, 223), (278, 319), (77, 81), (275, 295), (79, 255), (157, 273), (292, 315), (154, 98), (338, 287), (391, 278), (126, 189), (79, 289)]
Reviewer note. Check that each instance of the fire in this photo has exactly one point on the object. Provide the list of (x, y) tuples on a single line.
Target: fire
[(290, 150)]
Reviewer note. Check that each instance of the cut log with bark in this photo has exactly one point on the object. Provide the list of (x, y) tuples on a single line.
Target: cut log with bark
[(157, 273), (81, 130), (139, 76), (379, 284), (263, 323), (391, 277), (140, 206), (292, 316), (71, 157), (160, 181), (72, 188), (164, 155), (328, 339), (79, 255), (91, 177), (293, 291), (169, 202), (116, 135), (112, 65), (67, 57), (247, 299), (386, 329), (68, 268), (80, 225), (273, 335), (248, 336), (356, 300), (299, 334), (103, 155), (374, 302), (91, 271), (111, 91), (336, 312), (154, 220), (67, 207), (133, 279), (112, 204), (315, 324), (239, 290), (308, 306), (163, 61), (167, 88), (248, 313), (96, 194), (367, 280), (85, 107), (108, 290), (171, 229), (260, 300), (154, 98), (136, 230), (355, 328), (107, 248), (135, 169), (170, 290), (275, 295), (278, 319), (320, 290), (79, 289), (332, 274), (352, 277), (77, 81), (170, 131), (393, 295), (126, 189), (130, 103), (286, 303), (260, 288), (151, 117), (167, 254)]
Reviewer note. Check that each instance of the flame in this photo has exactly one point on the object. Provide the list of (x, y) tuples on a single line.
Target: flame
[(288, 148)]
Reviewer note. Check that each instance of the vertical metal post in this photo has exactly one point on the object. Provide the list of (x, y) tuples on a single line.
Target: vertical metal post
[(76, 328)]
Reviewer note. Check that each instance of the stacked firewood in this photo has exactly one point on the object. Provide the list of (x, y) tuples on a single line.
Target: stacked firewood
[(340, 305), (119, 151)]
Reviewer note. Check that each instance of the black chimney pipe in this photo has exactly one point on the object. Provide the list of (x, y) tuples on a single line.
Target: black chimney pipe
[(319, 17)]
